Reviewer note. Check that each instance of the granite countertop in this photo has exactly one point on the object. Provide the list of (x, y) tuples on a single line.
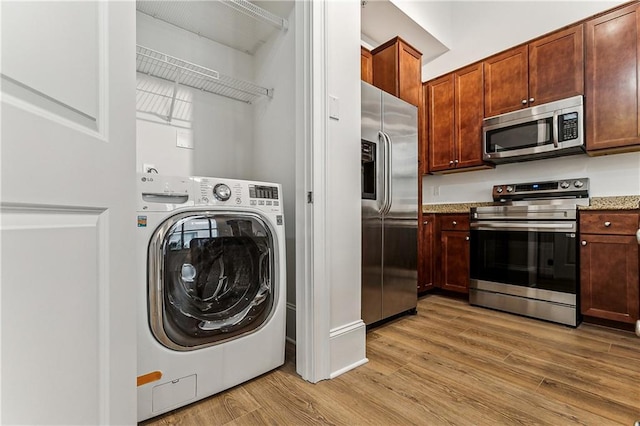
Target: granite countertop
[(625, 202)]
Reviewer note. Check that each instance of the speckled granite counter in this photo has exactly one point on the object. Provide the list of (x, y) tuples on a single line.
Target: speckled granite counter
[(452, 208), (627, 202)]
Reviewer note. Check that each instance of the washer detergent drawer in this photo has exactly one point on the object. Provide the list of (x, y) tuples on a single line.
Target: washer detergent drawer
[(173, 393)]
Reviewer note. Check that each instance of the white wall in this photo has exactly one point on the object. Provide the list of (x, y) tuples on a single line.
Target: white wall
[(343, 226), (503, 25), (274, 148), (222, 128)]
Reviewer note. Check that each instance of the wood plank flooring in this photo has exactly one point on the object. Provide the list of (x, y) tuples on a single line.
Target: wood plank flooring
[(452, 364)]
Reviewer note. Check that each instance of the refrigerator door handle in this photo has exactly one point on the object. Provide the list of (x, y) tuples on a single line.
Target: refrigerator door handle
[(387, 173), (382, 202)]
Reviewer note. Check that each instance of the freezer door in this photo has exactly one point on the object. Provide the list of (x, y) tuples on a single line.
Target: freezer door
[(371, 207), (400, 223), (371, 270), (372, 148)]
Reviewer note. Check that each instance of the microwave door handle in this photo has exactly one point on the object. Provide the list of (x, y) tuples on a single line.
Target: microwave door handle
[(555, 128)]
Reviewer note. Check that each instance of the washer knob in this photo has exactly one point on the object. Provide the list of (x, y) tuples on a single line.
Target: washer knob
[(222, 192), (509, 188), (564, 184), (499, 190), (578, 184)]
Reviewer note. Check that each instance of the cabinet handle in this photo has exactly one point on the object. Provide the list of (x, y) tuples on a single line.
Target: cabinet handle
[(451, 163), (466, 238), (524, 102), (607, 224), (584, 243), (638, 236), (426, 222), (455, 161), (454, 223), (531, 100)]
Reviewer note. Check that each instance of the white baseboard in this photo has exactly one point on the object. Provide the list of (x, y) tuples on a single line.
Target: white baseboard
[(348, 347)]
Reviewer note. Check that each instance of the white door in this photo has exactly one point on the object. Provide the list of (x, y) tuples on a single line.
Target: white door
[(68, 352)]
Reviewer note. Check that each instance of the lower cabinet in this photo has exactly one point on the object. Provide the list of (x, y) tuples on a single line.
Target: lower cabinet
[(454, 254), (444, 252), (609, 280), (425, 253)]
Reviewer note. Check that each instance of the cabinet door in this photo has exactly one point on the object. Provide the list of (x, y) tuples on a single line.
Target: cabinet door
[(556, 66), (469, 112), (609, 277), (385, 68), (611, 86), (455, 261), (441, 123), (506, 82), (425, 253), (366, 65), (410, 74)]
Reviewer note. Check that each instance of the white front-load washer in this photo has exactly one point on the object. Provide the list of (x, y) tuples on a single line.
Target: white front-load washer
[(212, 285)]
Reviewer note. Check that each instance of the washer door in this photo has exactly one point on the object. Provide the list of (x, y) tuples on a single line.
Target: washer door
[(211, 278)]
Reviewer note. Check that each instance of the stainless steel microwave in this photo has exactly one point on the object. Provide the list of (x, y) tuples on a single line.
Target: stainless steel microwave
[(548, 130)]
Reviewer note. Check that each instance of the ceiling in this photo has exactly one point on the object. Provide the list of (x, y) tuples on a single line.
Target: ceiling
[(381, 20)]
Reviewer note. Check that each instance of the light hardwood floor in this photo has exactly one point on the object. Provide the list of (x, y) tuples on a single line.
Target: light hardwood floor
[(451, 364)]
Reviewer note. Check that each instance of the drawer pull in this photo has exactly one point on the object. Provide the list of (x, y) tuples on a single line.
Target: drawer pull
[(638, 236), (466, 238), (607, 224), (454, 223), (426, 222), (584, 243)]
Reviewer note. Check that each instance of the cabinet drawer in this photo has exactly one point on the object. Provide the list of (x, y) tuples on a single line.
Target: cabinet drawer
[(612, 223), (454, 222)]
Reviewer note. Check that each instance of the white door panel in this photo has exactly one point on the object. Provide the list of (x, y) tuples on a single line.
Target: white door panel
[(68, 213), (61, 38)]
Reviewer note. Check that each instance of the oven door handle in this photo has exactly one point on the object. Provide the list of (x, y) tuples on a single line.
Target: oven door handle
[(521, 226)]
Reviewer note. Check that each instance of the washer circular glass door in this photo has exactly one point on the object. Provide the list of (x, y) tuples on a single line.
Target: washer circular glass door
[(211, 278)]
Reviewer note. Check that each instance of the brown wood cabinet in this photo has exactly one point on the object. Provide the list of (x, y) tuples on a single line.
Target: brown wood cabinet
[(425, 252), (423, 135), (609, 265), (454, 115), (366, 65), (453, 259), (611, 87), (397, 69), (545, 70)]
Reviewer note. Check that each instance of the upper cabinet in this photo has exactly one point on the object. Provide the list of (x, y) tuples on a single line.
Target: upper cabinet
[(545, 70), (397, 69), (366, 65), (454, 117), (611, 88)]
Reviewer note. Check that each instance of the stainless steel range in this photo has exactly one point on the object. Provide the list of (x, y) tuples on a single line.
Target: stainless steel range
[(524, 250)]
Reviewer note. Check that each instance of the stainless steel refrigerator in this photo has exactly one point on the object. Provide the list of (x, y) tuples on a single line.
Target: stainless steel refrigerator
[(389, 205)]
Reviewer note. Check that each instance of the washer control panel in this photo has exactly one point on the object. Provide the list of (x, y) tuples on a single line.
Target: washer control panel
[(239, 193)]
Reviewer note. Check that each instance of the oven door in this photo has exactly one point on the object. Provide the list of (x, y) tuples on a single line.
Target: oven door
[(537, 256)]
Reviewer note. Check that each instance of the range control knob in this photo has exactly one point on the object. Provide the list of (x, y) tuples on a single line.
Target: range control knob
[(564, 184), (509, 188), (578, 184), (499, 189), (222, 192)]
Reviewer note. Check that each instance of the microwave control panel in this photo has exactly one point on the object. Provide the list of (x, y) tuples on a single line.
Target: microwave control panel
[(568, 126)]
